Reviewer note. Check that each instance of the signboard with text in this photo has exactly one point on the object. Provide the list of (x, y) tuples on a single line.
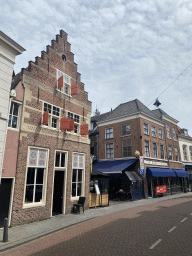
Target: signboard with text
[(141, 162), (161, 189)]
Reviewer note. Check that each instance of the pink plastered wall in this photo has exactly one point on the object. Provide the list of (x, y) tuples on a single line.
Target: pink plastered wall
[(12, 141)]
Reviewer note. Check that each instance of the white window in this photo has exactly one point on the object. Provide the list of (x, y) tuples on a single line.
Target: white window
[(153, 131), (76, 121), (160, 134), (54, 114), (170, 153), (60, 159), (190, 152), (78, 175), (126, 129), (147, 149), (168, 131), (36, 173), (66, 88), (127, 148), (109, 151), (185, 152), (13, 115), (155, 154), (145, 129), (162, 151), (109, 133), (174, 134), (176, 154)]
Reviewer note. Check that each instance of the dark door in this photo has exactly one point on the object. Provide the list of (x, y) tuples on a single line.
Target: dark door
[(137, 190), (5, 194), (149, 187), (58, 192)]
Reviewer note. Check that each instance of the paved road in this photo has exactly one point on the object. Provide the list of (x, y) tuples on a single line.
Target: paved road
[(162, 228)]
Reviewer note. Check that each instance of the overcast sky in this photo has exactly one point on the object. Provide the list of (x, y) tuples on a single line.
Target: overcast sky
[(124, 49)]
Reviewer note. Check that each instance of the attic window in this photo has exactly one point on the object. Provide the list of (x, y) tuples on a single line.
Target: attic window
[(63, 82)]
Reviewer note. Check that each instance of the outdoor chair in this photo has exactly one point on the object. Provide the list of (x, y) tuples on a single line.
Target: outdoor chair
[(79, 204)]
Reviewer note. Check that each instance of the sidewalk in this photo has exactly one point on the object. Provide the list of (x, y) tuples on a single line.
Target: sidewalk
[(27, 232)]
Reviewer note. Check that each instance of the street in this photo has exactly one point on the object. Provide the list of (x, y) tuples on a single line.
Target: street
[(162, 228)]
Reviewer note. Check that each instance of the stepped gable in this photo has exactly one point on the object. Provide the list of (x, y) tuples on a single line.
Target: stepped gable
[(129, 108)]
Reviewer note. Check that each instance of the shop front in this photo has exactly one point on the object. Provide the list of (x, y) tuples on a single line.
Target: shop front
[(164, 181)]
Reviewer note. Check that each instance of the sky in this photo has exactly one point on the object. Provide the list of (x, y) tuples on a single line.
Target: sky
[(125, 49)]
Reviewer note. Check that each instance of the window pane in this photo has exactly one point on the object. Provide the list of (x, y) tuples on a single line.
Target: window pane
[(62, 159), (80, 175), (54, 122), (30, 175), (39, 177), (45, 107), (78, 189), (75, 128), (74, 175), (29, 194), (57, 159), (38, 193), (54, 110), (14, 122), (15, 110), (73, 189), (10, 119)]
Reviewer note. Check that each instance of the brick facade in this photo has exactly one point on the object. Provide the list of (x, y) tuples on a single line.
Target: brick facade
[(40, 83)]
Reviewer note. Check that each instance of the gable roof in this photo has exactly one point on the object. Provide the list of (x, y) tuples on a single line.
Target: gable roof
[(160, 113), (15, 80), (128, 108)]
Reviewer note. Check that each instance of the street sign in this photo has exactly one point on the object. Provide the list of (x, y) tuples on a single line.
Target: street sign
[(141, 171), (141, 162)]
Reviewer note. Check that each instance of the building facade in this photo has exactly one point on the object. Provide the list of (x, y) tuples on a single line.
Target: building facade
[(133, 127), (9, 49), (53, 163)]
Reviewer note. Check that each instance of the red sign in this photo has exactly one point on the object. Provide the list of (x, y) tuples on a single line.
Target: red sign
[(161, 189)]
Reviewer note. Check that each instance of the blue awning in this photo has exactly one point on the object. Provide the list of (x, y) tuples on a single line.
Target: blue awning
[(113, 166), (159, 172), (181, 173)]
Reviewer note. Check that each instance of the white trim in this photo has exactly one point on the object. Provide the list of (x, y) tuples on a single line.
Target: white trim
[(130, 117), (62, 169), (83, 176), (106, 133), (106, 150), (44, 192), (170, 119)]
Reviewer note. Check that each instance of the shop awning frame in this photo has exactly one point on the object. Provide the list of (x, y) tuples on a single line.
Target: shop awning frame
[(133, 176), (181, 173), (159, 172), (114, 166)]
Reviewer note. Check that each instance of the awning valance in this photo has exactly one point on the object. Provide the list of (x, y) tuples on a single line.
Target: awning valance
[(133, 176), (181, 173), (159, 172), (114, 166)]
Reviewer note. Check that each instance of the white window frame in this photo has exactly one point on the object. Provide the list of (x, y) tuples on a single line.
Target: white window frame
[(154, 143), (127, 129), (161, 151), (109, 131), (77, 166), (148, 147), (185, 155), (18, 117), (72, 115), (111, 154), (168, 131), (44, 190), (146, 129), (174, 133), (170, 152), (51, 116), (160, 134), (66, 82), (176, 154), (153, 131)]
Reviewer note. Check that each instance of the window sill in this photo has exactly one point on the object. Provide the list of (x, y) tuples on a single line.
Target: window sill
[(145, 134), (75, 198), (63, 93), (50, 128), (127, 135), (31, 205), (13, 129)]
